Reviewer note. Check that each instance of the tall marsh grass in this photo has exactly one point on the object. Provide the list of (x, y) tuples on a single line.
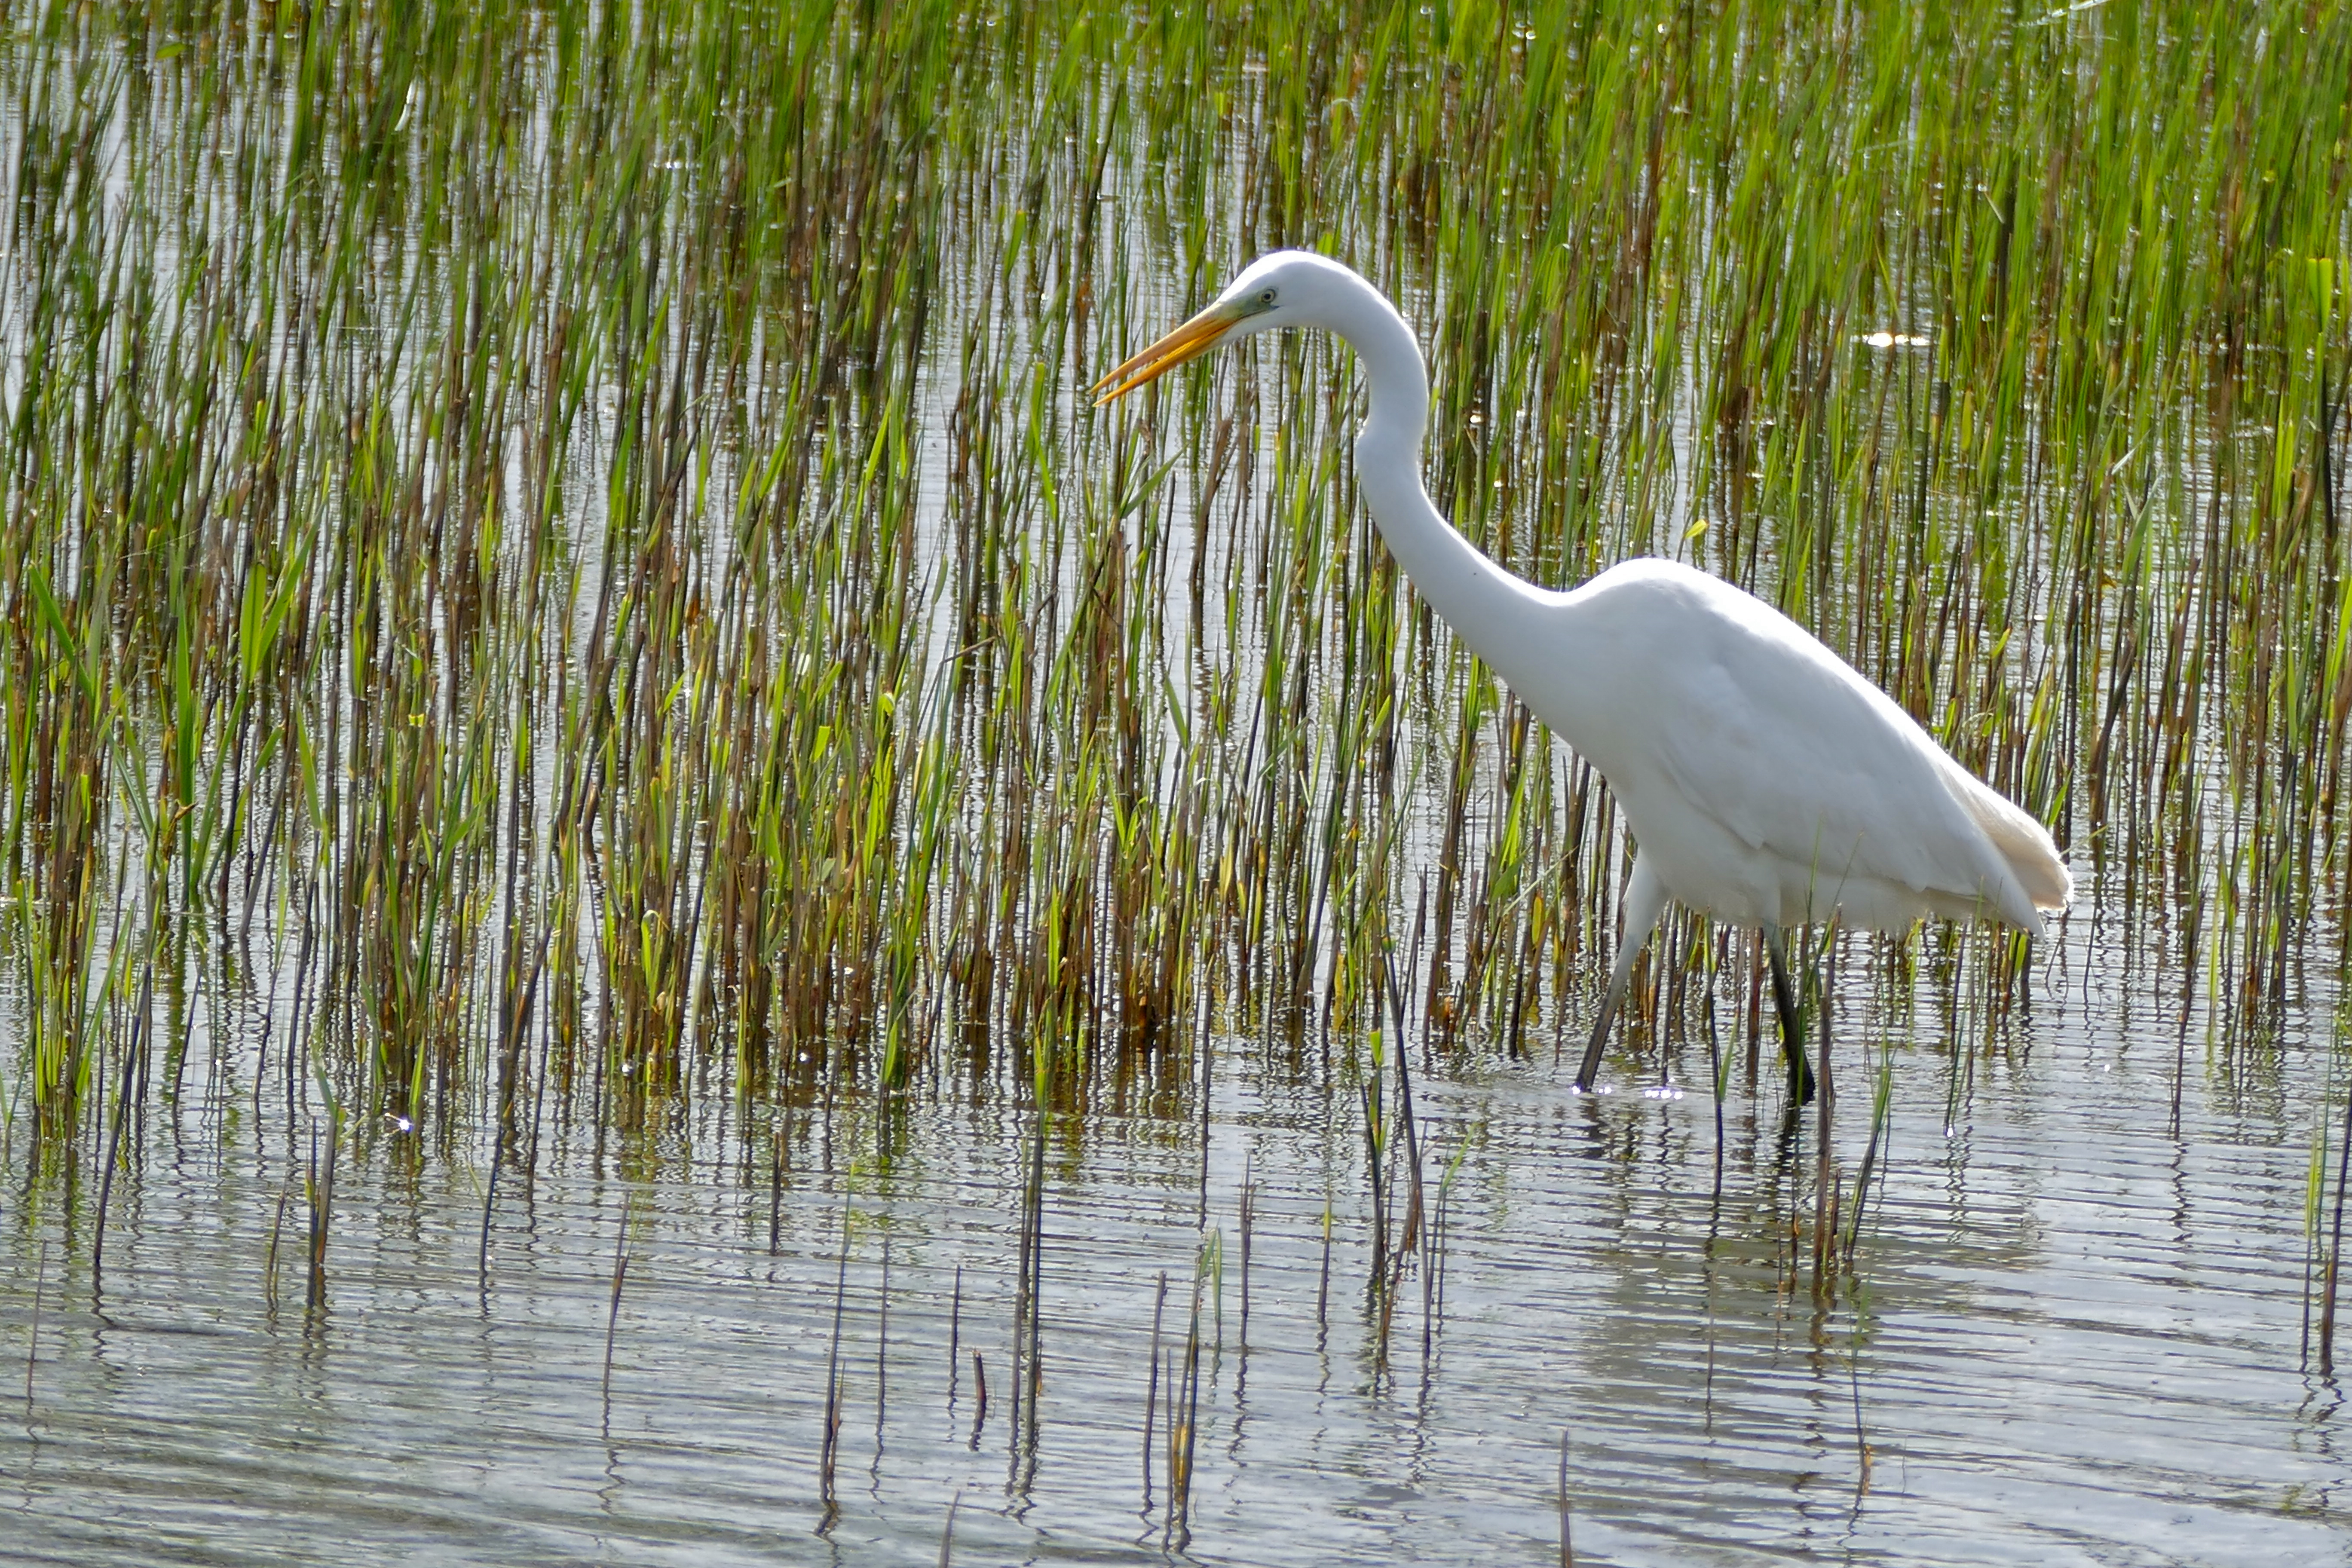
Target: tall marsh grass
[(560, 585)]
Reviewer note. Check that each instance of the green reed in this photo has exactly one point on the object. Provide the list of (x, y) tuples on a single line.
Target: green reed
[(562, 576)]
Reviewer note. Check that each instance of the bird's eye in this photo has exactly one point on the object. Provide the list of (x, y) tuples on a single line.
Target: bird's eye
[(1266, 298)]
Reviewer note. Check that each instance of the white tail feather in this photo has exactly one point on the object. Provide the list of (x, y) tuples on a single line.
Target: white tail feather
[(2022, 841)]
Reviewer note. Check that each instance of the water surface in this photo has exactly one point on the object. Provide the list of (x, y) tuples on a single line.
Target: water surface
[(2073, 1335)]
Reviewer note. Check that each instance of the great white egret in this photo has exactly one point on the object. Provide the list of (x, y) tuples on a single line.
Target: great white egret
[(1765, 782)]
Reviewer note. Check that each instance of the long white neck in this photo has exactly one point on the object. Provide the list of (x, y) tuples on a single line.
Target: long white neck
[(1487, 607)]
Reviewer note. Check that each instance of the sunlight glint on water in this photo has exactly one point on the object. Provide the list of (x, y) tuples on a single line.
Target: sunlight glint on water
[(496, 456), (2065, 1312)]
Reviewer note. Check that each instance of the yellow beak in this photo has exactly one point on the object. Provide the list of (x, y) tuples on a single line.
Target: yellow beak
[(1189, 341)]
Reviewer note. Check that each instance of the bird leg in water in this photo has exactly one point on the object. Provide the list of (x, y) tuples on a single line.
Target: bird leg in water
[(1645, 896), (1590, 1066), (1792, 1028)]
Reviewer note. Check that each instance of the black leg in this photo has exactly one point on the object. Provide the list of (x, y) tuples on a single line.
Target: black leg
[(1792, 1028), (1645, 896), (1589, 1069)]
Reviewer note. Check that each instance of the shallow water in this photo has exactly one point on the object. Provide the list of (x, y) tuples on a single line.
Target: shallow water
[(2076, 1326), (2074, 1336)]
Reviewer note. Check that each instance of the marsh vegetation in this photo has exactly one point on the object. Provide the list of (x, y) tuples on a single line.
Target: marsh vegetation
[(587, 712)]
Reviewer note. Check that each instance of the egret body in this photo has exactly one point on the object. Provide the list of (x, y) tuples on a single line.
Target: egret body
[(1765, 782)]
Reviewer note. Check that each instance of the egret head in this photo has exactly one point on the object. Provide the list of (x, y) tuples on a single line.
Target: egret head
[(1280, 289)]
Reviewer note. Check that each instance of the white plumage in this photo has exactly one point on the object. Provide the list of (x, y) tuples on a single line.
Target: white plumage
[(1765, 782)]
